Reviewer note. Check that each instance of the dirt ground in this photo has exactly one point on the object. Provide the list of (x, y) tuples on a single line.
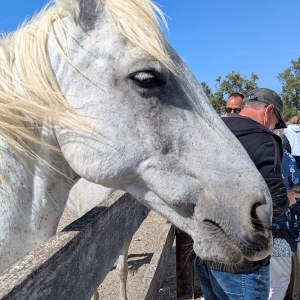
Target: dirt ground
[(143, 245)]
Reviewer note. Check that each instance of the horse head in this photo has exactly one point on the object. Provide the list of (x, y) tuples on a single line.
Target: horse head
[(145, 126)]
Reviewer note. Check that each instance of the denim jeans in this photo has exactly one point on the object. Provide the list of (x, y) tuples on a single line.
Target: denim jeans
[(218, 285)]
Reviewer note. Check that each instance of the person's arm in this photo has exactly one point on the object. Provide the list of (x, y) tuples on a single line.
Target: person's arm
[(268, 161), (292, 196)]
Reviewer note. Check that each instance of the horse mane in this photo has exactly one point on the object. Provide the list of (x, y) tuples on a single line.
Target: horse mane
[(29, 94)]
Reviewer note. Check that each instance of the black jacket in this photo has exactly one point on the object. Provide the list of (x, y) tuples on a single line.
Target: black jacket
[(265, 149)]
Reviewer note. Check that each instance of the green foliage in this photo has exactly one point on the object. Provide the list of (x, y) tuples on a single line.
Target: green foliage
[(290, 80), (233, 83), (218, 105)]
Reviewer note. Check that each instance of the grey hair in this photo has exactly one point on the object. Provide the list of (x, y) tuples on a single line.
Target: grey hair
[(253, 104)]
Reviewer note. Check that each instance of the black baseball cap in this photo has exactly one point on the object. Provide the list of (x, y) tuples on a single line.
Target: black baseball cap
[(269, 97)]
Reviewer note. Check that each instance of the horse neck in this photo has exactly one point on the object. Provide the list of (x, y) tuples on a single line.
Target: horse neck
[(34, 191)]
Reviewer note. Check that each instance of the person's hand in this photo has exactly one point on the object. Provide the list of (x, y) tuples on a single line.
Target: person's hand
[(292, 196)]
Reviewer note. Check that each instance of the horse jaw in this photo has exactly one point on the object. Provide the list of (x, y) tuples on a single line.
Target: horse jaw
[(212, 241), (219, 234)]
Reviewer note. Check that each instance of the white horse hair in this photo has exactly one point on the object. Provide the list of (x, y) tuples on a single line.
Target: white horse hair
[(90, 89)]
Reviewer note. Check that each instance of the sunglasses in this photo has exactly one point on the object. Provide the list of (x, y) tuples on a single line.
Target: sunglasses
[(235, 110)]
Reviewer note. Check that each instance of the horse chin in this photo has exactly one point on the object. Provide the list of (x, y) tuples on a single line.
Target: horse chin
[(218, 252), (254, 254), (219, 247)]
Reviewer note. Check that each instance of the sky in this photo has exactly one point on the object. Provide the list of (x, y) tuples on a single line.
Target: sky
[(215, 37)]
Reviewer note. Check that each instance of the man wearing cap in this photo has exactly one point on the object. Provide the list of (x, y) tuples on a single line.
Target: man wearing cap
[(261, 112)]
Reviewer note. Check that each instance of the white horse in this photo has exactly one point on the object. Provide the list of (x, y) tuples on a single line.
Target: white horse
[(91, 89)]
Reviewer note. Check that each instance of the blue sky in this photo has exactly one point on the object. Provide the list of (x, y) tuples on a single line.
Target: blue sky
[(215, 37)]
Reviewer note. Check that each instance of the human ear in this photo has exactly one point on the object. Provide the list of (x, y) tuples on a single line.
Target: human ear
[(269, 109)]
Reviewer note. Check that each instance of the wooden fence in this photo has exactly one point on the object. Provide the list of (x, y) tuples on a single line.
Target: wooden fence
[(64, 267)]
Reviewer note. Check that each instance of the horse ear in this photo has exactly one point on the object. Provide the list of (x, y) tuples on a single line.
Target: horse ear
[(84, 12)]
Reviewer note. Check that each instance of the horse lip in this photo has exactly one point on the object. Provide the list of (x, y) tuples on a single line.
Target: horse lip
[(248, 250), (212, 224), (265, 245), (215, 227)]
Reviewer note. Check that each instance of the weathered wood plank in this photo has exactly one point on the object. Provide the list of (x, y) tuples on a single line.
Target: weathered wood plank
[(154, 276), (64, 267)]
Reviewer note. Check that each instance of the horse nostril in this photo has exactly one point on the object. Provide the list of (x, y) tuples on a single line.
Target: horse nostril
[(260, 216)]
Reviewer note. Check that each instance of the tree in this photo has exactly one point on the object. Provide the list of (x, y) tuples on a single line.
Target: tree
[(290, 80), (213, 98), (233, 83)]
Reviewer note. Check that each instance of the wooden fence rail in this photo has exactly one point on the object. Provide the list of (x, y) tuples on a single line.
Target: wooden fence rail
[(64, 267), (68, 265)]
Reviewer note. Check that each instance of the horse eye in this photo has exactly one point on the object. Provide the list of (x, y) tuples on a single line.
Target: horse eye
[(146, 79)]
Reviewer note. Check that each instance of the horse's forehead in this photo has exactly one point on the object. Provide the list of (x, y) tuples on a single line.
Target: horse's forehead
[(110, 48), (130, 44), (108, 39)]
